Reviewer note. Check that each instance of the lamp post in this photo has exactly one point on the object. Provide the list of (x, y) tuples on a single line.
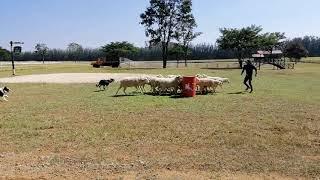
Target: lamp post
[(16, 49)]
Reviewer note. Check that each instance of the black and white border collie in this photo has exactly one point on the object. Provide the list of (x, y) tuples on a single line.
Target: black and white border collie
[(3, 92), (104, 83)]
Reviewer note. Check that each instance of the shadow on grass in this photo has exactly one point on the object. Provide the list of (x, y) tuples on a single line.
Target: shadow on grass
[(240, 92), (177, 96), (226, 68), (129, 94), (124, 95), (99, 90)]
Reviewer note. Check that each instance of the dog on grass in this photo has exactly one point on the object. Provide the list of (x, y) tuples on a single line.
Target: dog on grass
[(4, 93), (104, 83)]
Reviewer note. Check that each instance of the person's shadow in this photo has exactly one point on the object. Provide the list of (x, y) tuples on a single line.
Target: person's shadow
[(239, 92)]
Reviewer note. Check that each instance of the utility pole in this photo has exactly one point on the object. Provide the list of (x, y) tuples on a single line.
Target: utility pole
[(16, 49), (12, 59)]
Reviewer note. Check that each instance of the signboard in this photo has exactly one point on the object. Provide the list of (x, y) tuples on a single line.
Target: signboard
[(17, 49)]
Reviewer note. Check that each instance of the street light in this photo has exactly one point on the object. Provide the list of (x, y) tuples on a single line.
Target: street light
[(16, 49)]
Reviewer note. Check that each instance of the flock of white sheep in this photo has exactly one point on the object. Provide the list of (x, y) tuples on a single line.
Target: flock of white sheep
[(171, 84)]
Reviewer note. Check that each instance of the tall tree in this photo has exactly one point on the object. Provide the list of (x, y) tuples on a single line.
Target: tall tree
[(242, 41), (42, 50), (160, 21), (270, 41), (119, 49), (75, 50), (185, 30), (295, 50)]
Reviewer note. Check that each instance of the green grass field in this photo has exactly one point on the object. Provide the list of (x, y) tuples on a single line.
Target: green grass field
[(311, 60), (69, 130)]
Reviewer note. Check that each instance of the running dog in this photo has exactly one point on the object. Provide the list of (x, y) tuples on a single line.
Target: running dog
[(3, 93), (104, 83)]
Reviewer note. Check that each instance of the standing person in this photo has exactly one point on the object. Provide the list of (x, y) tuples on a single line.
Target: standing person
[(249, 67)]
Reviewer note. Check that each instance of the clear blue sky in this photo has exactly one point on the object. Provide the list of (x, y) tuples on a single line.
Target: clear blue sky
[(93, 23)]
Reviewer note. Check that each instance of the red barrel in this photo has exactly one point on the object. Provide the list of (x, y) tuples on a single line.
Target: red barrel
[(189, 84)]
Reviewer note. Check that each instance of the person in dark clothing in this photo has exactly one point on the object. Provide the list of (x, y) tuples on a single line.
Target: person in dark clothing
[(249, 67)]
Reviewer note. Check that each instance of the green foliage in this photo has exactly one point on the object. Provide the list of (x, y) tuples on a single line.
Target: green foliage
[(165, 20), (242, 41), (176, 51), (247, 40), (160, 22), (185, 30), (311, 43), (74, 50), (295, 50), (42, 50), (119, 49), (269, 41), (4, 54)]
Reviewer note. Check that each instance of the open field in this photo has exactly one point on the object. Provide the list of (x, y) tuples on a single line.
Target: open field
[(311, 60), (70, 130)]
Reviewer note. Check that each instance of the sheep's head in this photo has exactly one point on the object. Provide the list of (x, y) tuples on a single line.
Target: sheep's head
[(144, 80), (178, 79), (226, 80)]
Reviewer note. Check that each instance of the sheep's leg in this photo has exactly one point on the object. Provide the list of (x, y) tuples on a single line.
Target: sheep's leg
[(204, 90), (4, 98), (175, 91), (124, 90), (154, 90), (140, 89), (137, 88), (118, 90), (143, 90), (160, 91)]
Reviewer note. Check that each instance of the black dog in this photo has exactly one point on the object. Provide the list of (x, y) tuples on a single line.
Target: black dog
[(104, 83), (3, 92)]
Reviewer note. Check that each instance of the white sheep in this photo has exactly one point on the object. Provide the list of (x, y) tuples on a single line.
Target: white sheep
[(154, 84), (171, 84), (223, 80), (137, 82), (202, 76), (172, 76), (207, 83)]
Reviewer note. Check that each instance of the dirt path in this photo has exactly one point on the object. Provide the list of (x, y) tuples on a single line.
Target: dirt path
[(66, 78)]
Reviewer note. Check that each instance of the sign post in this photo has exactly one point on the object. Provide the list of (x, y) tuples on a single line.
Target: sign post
[(16, 49)]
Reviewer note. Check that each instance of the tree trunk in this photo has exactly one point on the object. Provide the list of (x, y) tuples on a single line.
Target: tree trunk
[(239, 57), (185, 60), (164, 56), (240, 63), (185, 55), (42, 59), (177, 61)]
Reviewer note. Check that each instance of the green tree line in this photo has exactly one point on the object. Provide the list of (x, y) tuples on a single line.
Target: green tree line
[(199, 51)]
